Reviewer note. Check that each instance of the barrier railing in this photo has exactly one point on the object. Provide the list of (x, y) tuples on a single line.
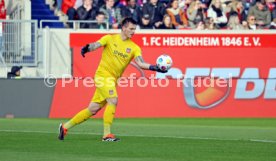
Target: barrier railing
[(18, 42), (17, 13), (75, 24)]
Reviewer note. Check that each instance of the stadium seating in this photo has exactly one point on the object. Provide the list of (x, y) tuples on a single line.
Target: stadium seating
[(41, 11)]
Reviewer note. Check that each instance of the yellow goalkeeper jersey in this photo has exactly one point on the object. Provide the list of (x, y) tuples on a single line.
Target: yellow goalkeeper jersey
[(117, 54)]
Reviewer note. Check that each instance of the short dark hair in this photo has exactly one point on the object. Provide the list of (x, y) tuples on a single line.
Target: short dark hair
[(233, 13), (128, 20), (100, 13)]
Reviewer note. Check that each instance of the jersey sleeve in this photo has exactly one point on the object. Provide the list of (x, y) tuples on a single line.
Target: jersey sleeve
[(137, 52), (103, 40)]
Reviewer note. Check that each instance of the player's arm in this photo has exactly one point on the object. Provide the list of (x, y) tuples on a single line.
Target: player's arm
[(94, 46), (90, 47), (142, 64)]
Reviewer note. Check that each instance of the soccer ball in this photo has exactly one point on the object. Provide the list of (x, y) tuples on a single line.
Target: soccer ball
[(164, 62)]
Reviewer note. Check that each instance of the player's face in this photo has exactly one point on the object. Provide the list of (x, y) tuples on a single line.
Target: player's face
[(217, 3), (110, 3), (88, 2), (167, 20), (175, 4), (100, 18), (129, 30), (17, 73), (132, 3), (252, 20)]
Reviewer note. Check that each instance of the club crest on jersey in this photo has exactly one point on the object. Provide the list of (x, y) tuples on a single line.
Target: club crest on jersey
[(111, 92), (128, 50)]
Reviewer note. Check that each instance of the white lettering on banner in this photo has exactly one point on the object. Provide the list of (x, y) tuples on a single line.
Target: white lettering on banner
[(250, 75), (270, 90), (232, 41), (189, 41), (155, 41), (256, 41), (205, 41)]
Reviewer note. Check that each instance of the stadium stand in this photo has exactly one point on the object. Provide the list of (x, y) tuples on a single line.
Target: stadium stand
[(41, 11)]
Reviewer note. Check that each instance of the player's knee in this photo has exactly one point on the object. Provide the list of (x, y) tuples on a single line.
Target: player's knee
[(113, 101), (93, 111), (94, 108)]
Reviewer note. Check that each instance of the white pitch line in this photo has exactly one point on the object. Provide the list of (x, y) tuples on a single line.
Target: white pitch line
[(175, 137)]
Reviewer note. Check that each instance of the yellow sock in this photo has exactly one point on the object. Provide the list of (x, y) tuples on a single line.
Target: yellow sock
[(78, 118), (108, 118)]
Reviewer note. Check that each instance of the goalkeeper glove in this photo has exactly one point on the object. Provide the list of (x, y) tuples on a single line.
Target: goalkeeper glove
[(155, 68), (84, 50)]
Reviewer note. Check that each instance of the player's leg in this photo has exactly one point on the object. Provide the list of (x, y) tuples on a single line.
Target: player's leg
[(109, 115), (108, 119), (80, 117), (83, 115), (95, 105)]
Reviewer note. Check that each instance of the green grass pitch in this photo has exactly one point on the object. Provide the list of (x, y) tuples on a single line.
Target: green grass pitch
[(176, 139)]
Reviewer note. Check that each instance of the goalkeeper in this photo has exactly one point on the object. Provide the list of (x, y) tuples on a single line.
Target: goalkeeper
[(118, 52)]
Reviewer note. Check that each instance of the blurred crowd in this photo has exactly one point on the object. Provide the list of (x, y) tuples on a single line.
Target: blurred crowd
[(173, 14)]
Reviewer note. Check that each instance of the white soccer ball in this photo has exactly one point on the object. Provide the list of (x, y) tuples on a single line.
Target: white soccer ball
[(164, 62)]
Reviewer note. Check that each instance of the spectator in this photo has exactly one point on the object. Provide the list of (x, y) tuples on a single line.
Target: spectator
[(234, 22), (237, 7), (156, 11), (57, 4), (273, 24), (177, 15), (209, 24), (184, 4), (69, 7), (261, 13), (86, 12), (145, 22), (226, 5), (251, 23), (98, 3), (270, 5), (195, 13), (167, 23), (273, 13), (101, 21), (248, 4), (215, 12), (15, 72), (200, 26), (113, 14), (132, 10)]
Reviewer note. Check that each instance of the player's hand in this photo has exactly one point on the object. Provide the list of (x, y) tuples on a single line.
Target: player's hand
[(162, 71), (84, 50), (155, 68)]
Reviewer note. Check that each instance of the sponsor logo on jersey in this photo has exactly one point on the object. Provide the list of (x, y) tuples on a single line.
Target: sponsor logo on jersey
[(128, 50), (111, 92), (120, 54)]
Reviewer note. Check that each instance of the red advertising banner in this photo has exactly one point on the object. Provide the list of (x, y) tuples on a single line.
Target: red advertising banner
[(235, 76)]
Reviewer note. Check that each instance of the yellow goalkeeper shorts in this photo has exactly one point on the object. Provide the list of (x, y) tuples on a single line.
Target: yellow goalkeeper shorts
[(105, 88)]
